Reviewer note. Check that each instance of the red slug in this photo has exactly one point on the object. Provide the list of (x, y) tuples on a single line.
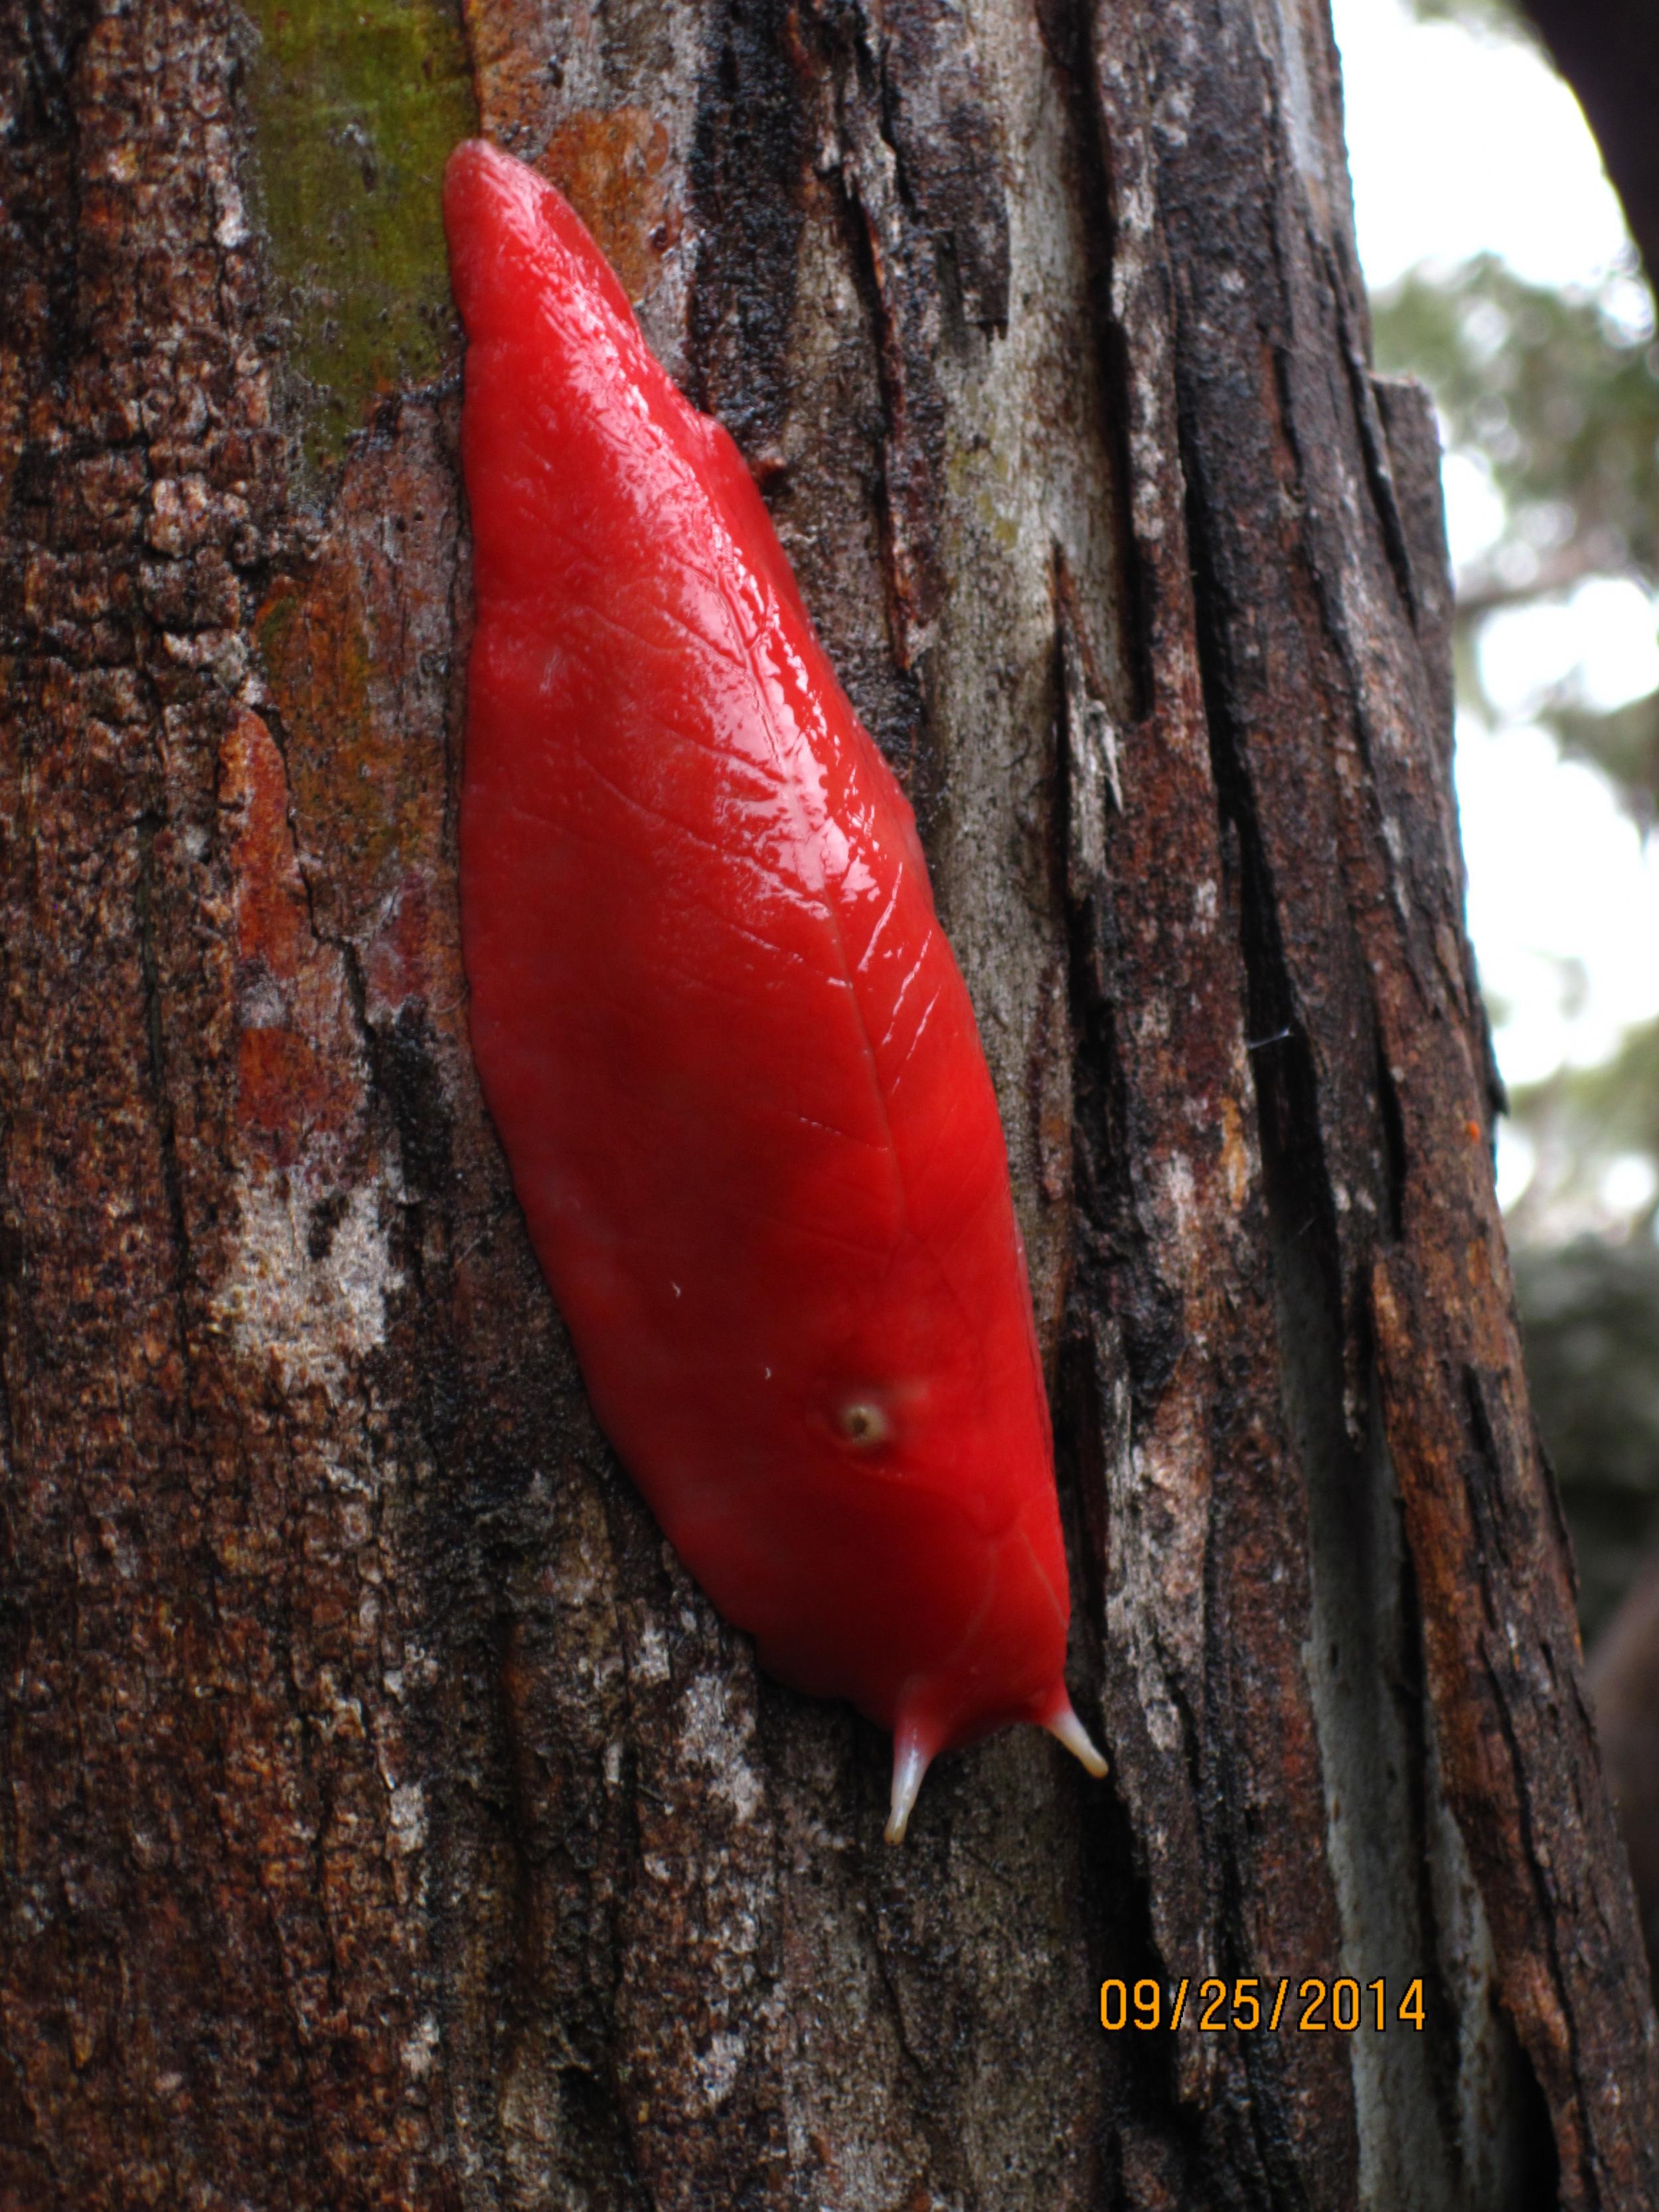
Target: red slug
[(730, 1056)]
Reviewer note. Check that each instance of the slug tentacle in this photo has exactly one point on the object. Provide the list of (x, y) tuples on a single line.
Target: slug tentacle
[(1064, 1724), (911, 1757)]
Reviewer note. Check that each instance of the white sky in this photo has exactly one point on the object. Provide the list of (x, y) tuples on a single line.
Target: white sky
[(1459, 143)]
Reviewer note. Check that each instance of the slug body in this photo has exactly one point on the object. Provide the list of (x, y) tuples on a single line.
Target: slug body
[(727, 1049)]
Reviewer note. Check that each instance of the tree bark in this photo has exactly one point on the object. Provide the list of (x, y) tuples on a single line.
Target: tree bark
[(386, 1819)]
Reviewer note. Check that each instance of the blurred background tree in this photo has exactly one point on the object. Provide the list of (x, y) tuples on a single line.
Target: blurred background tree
[(1549, 403)]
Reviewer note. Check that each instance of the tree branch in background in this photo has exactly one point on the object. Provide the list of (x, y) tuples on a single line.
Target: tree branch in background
[(1608, 52)]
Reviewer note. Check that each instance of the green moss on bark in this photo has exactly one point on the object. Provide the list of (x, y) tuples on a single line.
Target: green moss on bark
[(356, 105)]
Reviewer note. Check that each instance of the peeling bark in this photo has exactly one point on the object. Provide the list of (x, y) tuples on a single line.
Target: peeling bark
[(386, 1819)]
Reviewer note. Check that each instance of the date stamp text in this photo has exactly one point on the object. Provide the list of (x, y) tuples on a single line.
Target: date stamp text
[(1250, 2006)]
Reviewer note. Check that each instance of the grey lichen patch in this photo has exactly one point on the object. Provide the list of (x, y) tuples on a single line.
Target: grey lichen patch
[(355, 110), (716, 1735), (308, 1312)]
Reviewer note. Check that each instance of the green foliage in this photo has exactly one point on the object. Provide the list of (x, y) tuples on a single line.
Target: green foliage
[(1557, 399), (1476, 15), (1620, 1098), (1593, 1362), (1624, 745), (1560, 402), (1580, 1120), (355, 107)]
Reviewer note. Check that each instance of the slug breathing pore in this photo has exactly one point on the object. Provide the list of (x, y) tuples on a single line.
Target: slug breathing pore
[(727, 1047)]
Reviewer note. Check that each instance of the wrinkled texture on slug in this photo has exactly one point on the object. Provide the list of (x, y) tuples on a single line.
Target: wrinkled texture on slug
[(729, 1052)]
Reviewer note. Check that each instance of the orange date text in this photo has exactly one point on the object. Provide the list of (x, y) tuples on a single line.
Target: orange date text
[(1250, 2006)]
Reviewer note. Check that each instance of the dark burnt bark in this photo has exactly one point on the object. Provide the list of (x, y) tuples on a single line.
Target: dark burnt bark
[(386, 1819)]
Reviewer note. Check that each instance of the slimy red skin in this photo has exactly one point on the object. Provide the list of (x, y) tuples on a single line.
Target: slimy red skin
[(729, 1051)]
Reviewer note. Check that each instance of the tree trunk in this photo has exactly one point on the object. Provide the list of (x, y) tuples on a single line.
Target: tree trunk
[(386, 1819)]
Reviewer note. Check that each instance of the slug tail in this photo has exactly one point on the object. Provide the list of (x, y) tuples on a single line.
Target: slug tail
[(911, 1757), (1064, 1724)]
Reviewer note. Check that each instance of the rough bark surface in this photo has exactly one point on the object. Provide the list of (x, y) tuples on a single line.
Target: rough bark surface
[(385, 1819)]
